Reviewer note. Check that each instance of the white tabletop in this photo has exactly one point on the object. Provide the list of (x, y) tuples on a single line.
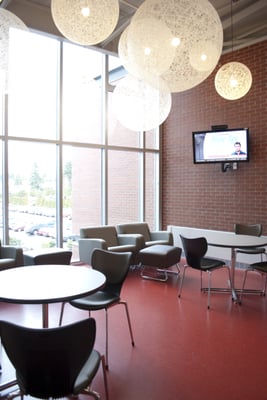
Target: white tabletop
[(233, 240), (40, 284)]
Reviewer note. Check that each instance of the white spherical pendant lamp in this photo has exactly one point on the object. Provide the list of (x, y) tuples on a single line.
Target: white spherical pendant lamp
[(138, 106), (85, 22), (197, 37), (145, 70), (8, 20), (150, 49), (123, 49), (233, 80)]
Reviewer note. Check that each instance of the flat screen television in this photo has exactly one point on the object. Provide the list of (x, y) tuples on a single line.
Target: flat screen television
[(224, 146)]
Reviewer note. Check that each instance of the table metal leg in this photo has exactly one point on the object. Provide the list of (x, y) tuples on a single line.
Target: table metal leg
[(235, 297), (45, 315)]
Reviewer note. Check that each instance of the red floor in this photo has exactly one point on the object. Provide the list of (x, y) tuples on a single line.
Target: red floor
[(183, 351)]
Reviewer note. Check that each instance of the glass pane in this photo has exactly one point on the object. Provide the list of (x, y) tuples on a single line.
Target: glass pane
[(32, 194), (151, 187), (1, 164), (118, 135), (123, 187), (33, 94), (116, 70), (1, 195), (152, 139), (81, 191), (82, 70)]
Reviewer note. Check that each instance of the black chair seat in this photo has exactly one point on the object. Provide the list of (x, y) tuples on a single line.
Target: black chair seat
[(96, 301), (254, 250), (87, 372), (207, 264), (260, 266)]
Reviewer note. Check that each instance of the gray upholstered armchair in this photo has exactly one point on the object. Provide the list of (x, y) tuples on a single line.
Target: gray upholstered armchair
[(149, 237), (10, 256), (106, 237)]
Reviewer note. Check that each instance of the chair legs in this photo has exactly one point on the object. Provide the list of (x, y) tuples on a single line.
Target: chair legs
[(103, 361), (61, 313), (164, 271), (209, 286), (209, 273), (129, 321), (182, 281), (93, 393), (106, 317), (209, 289), (263, 292), (129, 325)]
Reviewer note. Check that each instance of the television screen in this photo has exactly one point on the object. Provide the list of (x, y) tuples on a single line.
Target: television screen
[(229, 145)]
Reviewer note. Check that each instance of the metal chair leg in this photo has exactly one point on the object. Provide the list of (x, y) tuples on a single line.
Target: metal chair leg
[(129, 321), (182, 281), (103, 361), (209, 289), (61, 313), (265, 285), (106, 311), (243, 285)]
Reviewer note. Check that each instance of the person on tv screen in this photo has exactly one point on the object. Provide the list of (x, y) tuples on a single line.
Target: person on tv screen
[(238, 151)]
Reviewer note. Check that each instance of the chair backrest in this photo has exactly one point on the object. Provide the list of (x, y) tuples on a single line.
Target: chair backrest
[(47, 361), (105, 232), (194, 249), (246, 229), (62, 258), (114, 265), (134, 228)]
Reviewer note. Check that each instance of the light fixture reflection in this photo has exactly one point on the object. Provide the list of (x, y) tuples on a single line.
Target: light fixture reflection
[(8, 20), (138, 106)]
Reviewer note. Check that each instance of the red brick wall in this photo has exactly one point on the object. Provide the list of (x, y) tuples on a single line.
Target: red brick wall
[(201, 195)]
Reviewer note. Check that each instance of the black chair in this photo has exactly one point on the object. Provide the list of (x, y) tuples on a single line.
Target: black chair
[(195, 250), (261, 268), (53, 362), (253, 230), (115, 267)]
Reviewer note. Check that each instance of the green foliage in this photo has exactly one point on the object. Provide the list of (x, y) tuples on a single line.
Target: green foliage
[(36, 180), (15, 242)]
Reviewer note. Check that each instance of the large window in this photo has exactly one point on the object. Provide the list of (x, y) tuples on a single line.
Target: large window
[(67, 162), (81, 102), (33, 86)]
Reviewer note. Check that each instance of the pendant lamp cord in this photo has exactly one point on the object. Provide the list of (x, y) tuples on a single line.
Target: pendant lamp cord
[(232, 25)]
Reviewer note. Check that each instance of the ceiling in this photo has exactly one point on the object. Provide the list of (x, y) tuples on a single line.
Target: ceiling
[(249, 19)]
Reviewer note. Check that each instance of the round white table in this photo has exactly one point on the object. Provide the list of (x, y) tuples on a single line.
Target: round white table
[(44, 284), (234, 241)]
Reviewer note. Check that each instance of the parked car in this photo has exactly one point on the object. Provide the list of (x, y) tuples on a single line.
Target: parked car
[(17, 226), (47, 231), (34, 229)]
